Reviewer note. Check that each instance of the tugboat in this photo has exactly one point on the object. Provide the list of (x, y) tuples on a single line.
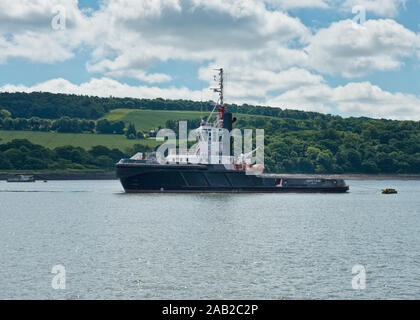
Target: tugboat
[(193, 172)]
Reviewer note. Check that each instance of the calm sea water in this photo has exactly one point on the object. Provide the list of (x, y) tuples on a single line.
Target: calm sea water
[(265, 246)]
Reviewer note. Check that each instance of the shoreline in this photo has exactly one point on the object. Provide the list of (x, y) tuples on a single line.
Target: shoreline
[(110, 175), (107, 175), (351, 176)]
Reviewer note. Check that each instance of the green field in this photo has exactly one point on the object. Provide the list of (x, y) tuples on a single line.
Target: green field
[(84, 140), (143, 120), (149, 119)]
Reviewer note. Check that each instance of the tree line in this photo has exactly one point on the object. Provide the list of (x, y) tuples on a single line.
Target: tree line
[(21, 154), (352, 145), (68, 125), (341, 146), (53, 106)]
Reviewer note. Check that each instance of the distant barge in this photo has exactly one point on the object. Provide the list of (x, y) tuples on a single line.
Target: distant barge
[(21, 178), (193, 172)]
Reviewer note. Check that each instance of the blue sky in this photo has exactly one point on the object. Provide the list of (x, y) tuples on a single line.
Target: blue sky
[(302, 54)]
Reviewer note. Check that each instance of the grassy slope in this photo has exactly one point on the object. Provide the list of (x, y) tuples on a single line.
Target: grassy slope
[(86, 141), (142, 119), (148, 119)]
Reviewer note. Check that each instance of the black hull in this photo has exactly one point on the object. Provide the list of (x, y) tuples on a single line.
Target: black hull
[(250, 190), (155, 178)]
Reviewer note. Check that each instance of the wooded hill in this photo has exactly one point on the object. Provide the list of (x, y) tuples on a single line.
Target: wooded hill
[(295, 141)]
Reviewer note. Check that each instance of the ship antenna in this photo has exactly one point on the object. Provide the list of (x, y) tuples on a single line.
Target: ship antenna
[(220, 103), (221, 86), (201, 103)]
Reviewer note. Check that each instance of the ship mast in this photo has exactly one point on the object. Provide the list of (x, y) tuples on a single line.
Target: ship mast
[(220, 88), (221, 108)]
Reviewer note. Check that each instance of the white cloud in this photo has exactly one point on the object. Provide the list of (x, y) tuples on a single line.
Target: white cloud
[(355, 51), (190, 30), (36, 47), (140, 75), (356, 99), (288, 4), (105, 87), (251, 85), (26, 30), (128, 37)]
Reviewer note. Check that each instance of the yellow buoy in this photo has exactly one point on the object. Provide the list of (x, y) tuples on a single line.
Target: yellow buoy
[(389, 191)]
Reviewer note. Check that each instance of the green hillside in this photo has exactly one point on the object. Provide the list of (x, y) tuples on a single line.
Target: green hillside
[(149, 119), (84, 140), (295, 141), (47, 105)]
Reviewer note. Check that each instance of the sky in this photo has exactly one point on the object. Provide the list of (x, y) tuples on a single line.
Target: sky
[(344, 57)]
